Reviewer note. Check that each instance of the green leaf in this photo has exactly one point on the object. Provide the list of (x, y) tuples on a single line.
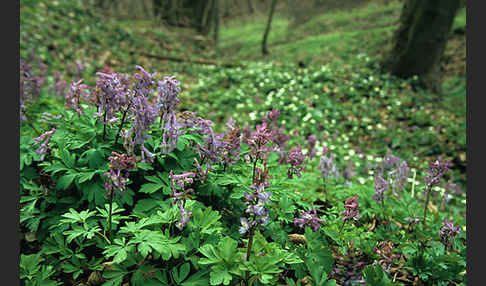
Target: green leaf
[(219, 275), (67, 158), (198, 279), (150, 188), (65, 181)]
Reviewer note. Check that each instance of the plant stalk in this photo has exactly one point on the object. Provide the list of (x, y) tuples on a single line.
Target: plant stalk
[(122, 122)]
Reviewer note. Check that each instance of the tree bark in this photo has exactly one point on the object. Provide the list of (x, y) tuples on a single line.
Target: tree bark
[(250, 7), (216, 22), (421, 39), (267, 29)]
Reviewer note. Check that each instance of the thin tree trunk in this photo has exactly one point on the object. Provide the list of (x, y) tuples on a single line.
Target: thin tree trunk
[(204, 23), (267, 29), (250, 7), (421, 39), (216, 22)]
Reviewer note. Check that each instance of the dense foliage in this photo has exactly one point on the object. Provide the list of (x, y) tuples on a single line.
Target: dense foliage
[(120, 183), (265, 174)]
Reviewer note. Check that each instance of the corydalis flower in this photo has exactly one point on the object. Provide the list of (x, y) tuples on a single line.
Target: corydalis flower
[(351, 208), (311, 144), (184, 216), (113, 94), (231, 145), (310, 219), (182, 180), (117, 175), (73, 96), (448, 232), (144, 115), (295, 159), (60, 85), (43, 140), (258, 140), (327, 167), (143, 82), (256, 207), (384, 250), (380, 186), (437, 169)]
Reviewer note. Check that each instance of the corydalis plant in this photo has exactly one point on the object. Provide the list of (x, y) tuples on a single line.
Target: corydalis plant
[(380, 186), (117, 178), (309, 219), (350, 210), (231, 144), (395, 170), (437, 170), (447, 233), (295, 158), (76, 93), (387, 257), (181, 181), (43, 140)]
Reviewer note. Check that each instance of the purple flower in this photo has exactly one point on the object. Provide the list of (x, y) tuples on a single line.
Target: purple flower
[(171, 132), (437, 169), (327, 167), (43, 140), (48, 118), (380, 186), (384, 250), (311, 144), (448, 232), (202, 173), (182, 180), (255, 203), (351, 208), (117, 175), (74, 95), (245, 225), (258, 140), (295, 159), (271, 117), (144, 115), (183, 217), (60, 85), (231, 145), (412, 221), (400, 176), (143, 82), (310, 219), (113, 93)]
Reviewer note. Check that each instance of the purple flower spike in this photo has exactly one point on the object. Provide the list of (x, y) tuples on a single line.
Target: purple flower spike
[(380, 186), (437, 169), (310, 219), (43, 140), (295, 159), (183, 218), (448, 232), (351, 208), (116, 179)]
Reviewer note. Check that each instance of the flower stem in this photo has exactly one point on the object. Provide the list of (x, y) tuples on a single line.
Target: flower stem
[(340, 230), (104, 126), (426, 205), (110, 215), (122, 122), (248, 251)]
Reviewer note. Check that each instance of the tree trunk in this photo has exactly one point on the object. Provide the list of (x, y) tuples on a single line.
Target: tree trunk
[(267, 29), (158, 7), (250, 7), (205, 24), (421, 39), (216, 21)]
